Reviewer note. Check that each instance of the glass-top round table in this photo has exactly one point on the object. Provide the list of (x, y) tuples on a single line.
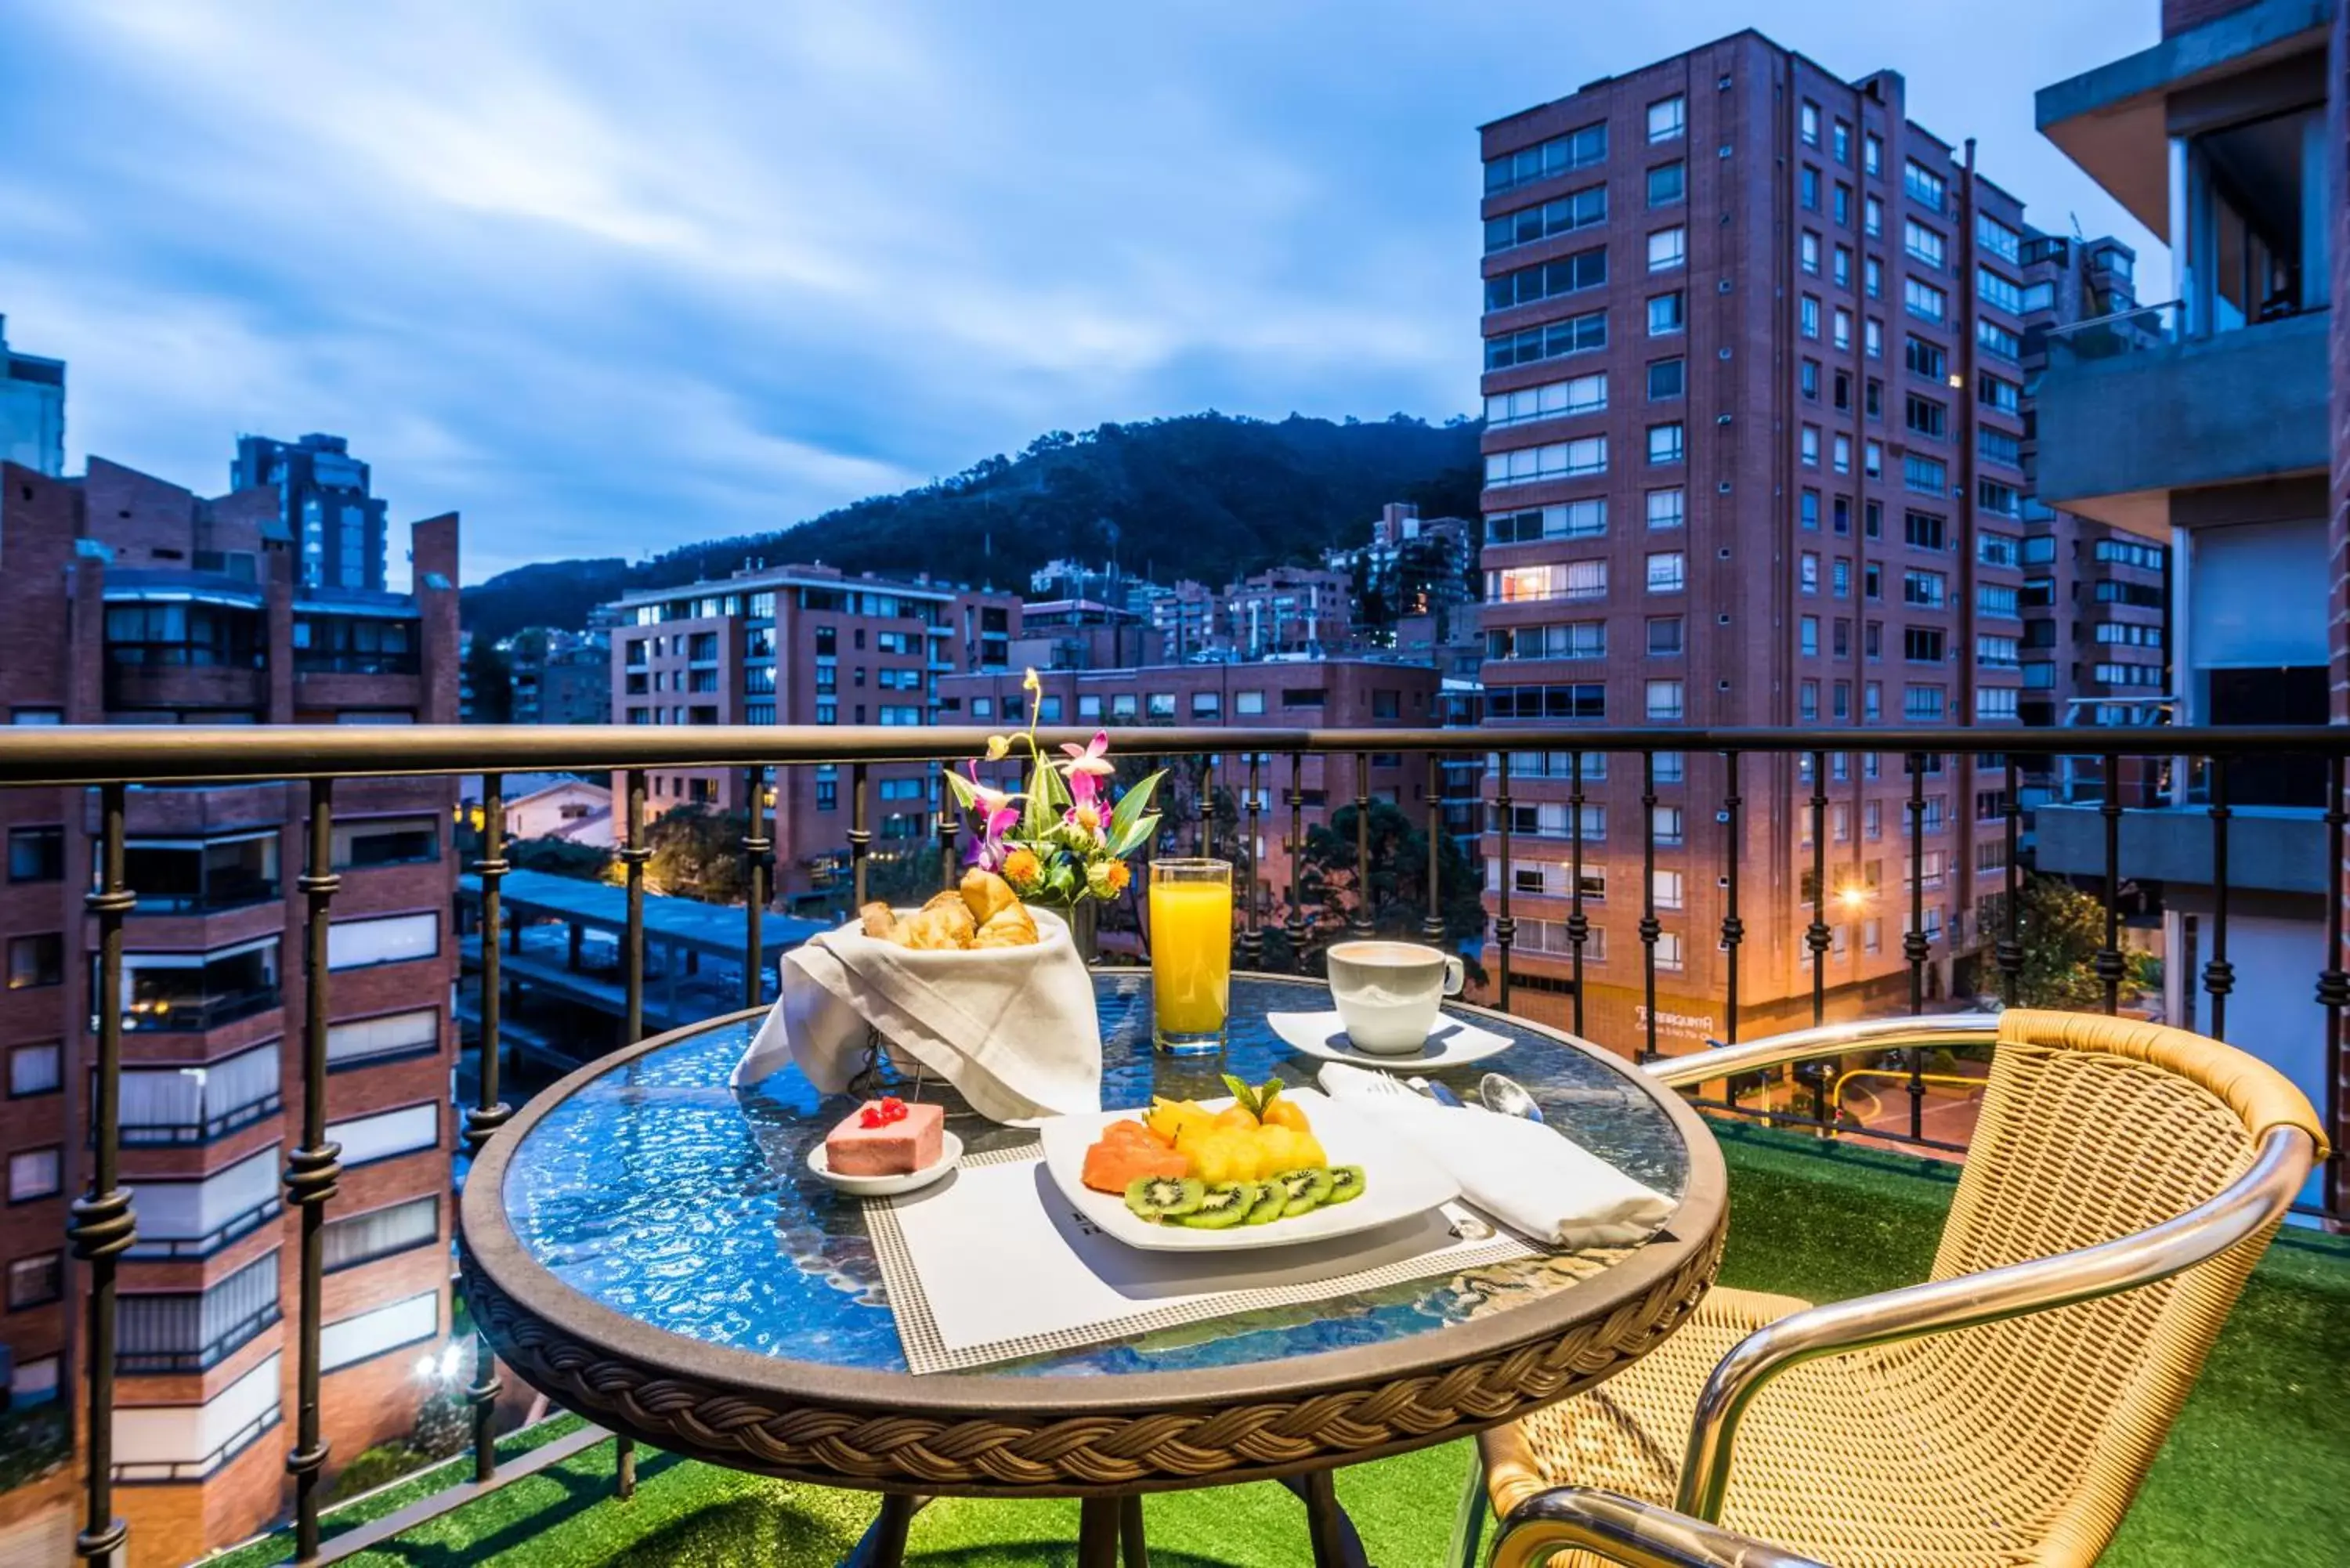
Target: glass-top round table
[(646, 1246)]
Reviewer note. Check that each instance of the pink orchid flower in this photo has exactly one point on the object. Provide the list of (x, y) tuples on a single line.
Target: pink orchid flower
[(1087, 766), (992, 816)]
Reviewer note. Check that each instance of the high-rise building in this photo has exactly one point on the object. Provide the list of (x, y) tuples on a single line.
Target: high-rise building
[(129, 600), (2200, 428), (559, 677), (1746, 332), (804, 645), (32, 410), (323, 500)]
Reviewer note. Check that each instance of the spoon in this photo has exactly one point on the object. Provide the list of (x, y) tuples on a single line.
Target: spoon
[(1437, 1092), (1504, 1096)]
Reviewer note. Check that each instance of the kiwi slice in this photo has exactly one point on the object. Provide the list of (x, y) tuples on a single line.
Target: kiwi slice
[(1157, 1198), (1272, 1200), (1222, 1206), (1306, 1188), (1346, 1183)]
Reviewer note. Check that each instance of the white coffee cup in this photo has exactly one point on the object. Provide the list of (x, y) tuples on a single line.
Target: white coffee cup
[(1388, 993)]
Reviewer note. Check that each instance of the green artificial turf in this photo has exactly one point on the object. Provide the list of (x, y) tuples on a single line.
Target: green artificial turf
[(2257, 1469)]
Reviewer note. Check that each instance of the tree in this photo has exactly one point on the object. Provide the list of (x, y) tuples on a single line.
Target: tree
[(1328, 889), (489, 675), (697, 853), (2060, 929)]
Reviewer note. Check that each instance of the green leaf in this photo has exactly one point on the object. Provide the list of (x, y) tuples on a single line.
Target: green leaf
[(1130, 808), (1038, 813), (1243, 1095), (1136, 834)]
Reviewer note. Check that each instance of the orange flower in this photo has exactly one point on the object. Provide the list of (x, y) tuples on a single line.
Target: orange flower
[(1020, 868), (1119, 875)]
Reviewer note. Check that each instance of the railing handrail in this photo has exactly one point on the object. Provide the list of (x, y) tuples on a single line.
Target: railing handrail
[(65, 755), (2108, 320)]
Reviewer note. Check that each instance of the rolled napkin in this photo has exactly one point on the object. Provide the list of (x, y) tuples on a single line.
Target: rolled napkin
[(1012, 1027), (1539, 1182)]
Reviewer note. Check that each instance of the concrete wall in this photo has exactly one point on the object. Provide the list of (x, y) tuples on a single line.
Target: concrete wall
[(2240, 406)]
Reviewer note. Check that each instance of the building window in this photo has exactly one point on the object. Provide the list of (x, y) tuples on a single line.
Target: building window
[(1584, 148), (1664, 702), (1666, 119), (1576, 210), (1665, 378), (1667, 822), (1999, 292), (1665, 442), (1667, 184), (35, 1173), (1809, 317), (1807, 123), (1564, 520), (1547, 280), (1840, 332), (1584, 334), (1665, 572), (1808, 635), (352, 1240), (1664, 636), (1924, 301), (36, 1281), (1810, 446), (1998, 238), (1666, 507), (1924, 244), (36, 854), (1551, 399), (1807, 187), (1668, 248), (1993, 339), (368, 842), (1246, 702), (1559, 460), (37, 961), (349, 1341), (1664, 314), (36, 1069), (1923, 186), (1807, 571), (388, 938)]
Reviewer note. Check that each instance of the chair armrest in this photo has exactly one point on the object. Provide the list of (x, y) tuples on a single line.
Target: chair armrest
[(1828, 1040), (1627, 1531), (2253, 1203)]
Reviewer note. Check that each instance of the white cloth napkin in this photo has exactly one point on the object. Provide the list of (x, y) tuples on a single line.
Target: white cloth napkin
[(1537, 1181), (1012, 1028)]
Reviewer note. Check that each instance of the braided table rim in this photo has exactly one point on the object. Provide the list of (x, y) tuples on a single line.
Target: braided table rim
[(957, 1451), (963, 1432)]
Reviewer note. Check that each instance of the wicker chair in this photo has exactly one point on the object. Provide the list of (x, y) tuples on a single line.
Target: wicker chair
[(2122, 1183)]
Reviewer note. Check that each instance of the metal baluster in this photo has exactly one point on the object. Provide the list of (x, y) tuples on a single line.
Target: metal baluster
[(102, 1226), (489, 1113), (2333, 983), (949, 828), (2009, 953), (1298, 930), (1207, 806), (2109, 963), (1816, 936), (1649, 929), (312, 1169), (1360, 922), (1914, 946), (1431, 925), (2219, 975), (1505, 929), (1252, 935), (1733, 930), (1578, 929), (757, 855), (860, 835), (633, 855)]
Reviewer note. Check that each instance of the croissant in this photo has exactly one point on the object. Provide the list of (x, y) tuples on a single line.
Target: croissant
[(987, 894), (944, 922), (1010, 927), (881, 921)]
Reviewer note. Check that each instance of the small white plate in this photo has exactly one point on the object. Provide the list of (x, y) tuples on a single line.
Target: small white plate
[(950, 1155), (1453, 1043), (1398, 1182)]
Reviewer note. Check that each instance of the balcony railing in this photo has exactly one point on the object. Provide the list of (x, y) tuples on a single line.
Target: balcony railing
[(2133, 331), (1727, 776)]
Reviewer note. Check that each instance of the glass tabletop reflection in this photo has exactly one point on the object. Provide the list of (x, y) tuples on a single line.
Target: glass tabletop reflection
[(659, 1192)]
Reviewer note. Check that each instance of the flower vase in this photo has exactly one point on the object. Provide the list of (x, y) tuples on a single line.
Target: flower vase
[(1084, 920)]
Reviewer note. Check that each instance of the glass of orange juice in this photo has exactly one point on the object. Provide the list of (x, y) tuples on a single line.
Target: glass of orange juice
[(1191, 953)]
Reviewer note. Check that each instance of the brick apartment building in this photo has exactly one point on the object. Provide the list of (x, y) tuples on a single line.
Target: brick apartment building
[(804, 645), (129, 600), (1753, 362), (1312, 693)]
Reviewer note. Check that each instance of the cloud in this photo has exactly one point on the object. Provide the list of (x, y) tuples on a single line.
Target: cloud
[(608, 279)]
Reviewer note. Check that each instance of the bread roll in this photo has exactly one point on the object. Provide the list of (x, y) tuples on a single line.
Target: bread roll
[(987, 894), (879, 921), (944, 922), (1012, 927)]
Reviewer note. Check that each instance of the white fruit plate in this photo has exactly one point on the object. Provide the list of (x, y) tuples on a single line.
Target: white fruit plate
[(950, 1155), (1399, 1181)]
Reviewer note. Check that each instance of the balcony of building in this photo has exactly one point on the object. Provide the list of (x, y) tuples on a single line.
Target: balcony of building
[(2215, 139), (1840, 1172)]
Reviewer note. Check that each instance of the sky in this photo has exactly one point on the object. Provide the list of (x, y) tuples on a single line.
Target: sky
[(608, 278)]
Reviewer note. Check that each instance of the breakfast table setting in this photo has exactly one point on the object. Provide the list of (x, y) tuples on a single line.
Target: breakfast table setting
[(961, 1215)]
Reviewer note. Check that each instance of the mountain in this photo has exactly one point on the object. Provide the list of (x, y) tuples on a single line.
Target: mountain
[(1208, 496)]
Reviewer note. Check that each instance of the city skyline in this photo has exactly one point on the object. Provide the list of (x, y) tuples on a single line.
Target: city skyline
[(567, 301)]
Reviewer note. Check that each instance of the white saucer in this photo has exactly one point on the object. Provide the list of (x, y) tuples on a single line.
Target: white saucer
[(1453, 1043), (950, 1155)]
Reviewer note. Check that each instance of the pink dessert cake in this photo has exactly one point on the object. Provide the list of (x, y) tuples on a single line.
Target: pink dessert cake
[(886, 1137)]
